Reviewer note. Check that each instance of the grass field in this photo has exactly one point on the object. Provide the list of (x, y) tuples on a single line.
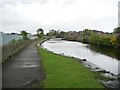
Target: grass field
[(66, 72)]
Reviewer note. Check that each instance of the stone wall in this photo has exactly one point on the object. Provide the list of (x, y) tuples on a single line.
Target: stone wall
[(11, 49)]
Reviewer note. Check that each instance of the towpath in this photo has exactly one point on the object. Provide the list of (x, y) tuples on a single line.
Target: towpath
[(24, 69)]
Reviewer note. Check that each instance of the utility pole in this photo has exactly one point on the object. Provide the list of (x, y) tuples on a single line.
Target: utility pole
[(119, 14)]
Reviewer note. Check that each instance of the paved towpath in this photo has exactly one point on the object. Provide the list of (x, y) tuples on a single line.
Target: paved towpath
[(23, 69)]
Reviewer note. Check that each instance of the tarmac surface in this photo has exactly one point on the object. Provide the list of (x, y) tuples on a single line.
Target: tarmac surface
[(23, 69)]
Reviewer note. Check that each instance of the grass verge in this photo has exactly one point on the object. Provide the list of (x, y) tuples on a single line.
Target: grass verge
[(66, 72)]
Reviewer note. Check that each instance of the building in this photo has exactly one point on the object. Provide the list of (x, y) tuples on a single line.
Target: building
[(98, 32), (5, 38)]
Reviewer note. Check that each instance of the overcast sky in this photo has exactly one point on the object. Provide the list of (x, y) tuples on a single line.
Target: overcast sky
[(65, 15)]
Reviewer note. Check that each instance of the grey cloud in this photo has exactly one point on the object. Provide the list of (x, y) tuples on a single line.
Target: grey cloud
[(15, 2), (9, 22), (13, 16), (69, 2)]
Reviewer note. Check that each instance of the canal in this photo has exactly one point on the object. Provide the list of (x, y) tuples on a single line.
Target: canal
[(104, 57)]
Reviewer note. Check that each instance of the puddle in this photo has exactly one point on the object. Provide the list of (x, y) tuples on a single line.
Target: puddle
[(35, 51), (28, 66)]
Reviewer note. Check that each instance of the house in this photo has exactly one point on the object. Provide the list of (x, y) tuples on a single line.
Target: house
[(31, 36)]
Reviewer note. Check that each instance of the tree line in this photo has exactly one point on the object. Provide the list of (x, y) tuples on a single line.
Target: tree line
[(90, 37), (86, 36), (40, 33)]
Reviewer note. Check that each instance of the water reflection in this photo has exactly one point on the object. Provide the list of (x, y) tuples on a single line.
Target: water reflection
[(114, 53), (105, 58)]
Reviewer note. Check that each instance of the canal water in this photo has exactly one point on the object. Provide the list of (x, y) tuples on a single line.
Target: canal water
[(106, 58)]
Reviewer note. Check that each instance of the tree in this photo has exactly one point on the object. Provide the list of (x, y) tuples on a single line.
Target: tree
[(24, 34), (87, 32), (117, 30), (40, 33)]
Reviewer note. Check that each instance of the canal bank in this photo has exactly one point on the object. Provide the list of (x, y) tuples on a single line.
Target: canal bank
[(109, 79), (65, 72), (85, 51)]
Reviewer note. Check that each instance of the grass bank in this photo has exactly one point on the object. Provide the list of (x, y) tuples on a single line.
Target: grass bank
[(66, 72)]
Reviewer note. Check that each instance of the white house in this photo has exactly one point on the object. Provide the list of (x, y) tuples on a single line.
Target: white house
[(30, 36)]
